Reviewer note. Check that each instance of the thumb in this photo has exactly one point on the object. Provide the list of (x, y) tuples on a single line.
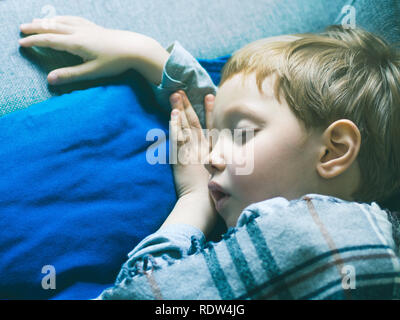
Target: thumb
[(85, 71)]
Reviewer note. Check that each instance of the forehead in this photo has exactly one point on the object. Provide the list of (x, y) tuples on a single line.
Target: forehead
[(240, 95), (242, 86)]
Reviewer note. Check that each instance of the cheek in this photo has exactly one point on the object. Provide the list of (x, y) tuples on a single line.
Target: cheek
[(274, 169), (245, 186), (249, 173)]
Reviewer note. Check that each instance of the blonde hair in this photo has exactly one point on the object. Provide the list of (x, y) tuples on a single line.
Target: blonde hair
[(338, 74)]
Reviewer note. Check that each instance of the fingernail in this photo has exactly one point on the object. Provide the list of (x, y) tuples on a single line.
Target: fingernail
[(175, 98), (52, 77), (174, 113), (210, 98)]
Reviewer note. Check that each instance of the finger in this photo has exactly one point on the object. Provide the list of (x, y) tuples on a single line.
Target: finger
[(85, 71), (50, 40), (191, 115), (173, 137), (209, 101), (46, 26), (72, 20), (173, 125), (68, 20), (176, 127), (211, 135), (177, 103)]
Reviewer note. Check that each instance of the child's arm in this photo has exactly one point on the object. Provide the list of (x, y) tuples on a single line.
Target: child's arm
[(106, 52), (194, 214)]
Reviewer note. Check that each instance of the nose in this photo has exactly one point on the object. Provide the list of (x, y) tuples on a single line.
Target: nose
[(216, 161)]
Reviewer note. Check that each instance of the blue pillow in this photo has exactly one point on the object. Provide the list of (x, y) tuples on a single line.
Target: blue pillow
[(76, 191)]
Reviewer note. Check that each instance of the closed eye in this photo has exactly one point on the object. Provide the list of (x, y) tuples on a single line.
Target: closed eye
[(242, 135)]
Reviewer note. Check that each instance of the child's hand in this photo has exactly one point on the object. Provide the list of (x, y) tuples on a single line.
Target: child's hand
[(106, 52), (192, 147), (195, 205)]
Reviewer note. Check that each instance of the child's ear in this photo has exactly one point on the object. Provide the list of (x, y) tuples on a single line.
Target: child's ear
[(340, 147)]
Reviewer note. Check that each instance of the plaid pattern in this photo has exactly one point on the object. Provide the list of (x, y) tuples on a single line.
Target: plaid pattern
[(316, 247)]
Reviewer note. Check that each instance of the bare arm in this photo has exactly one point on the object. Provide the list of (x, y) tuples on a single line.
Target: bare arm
[(106, 52), (195, 209)]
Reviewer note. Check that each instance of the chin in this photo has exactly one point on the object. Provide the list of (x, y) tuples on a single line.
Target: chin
[(230, 218)]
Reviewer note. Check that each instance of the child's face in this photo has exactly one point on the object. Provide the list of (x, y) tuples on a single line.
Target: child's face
[(283, 157)]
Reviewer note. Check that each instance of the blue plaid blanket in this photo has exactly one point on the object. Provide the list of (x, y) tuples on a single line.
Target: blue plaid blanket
[(315, 247)]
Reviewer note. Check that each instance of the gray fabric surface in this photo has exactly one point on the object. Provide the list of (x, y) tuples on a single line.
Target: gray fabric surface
[(206, 28)]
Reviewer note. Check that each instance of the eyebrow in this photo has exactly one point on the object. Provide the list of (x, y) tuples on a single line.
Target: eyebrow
[(244, 111)]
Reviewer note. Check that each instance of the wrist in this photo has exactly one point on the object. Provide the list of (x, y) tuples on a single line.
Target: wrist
[(196, 209), (149, 60)]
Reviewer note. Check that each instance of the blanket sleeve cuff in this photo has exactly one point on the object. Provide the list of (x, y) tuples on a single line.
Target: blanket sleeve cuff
[(183, 72), (173, 237), (160, 249)]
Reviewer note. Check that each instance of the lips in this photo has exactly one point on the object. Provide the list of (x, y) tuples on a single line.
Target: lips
[(219, 195)]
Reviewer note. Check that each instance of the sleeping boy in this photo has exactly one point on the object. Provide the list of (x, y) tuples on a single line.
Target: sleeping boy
[(322, 110)]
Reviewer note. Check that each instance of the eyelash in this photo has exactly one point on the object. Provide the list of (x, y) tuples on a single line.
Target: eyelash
[(243, 132)]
